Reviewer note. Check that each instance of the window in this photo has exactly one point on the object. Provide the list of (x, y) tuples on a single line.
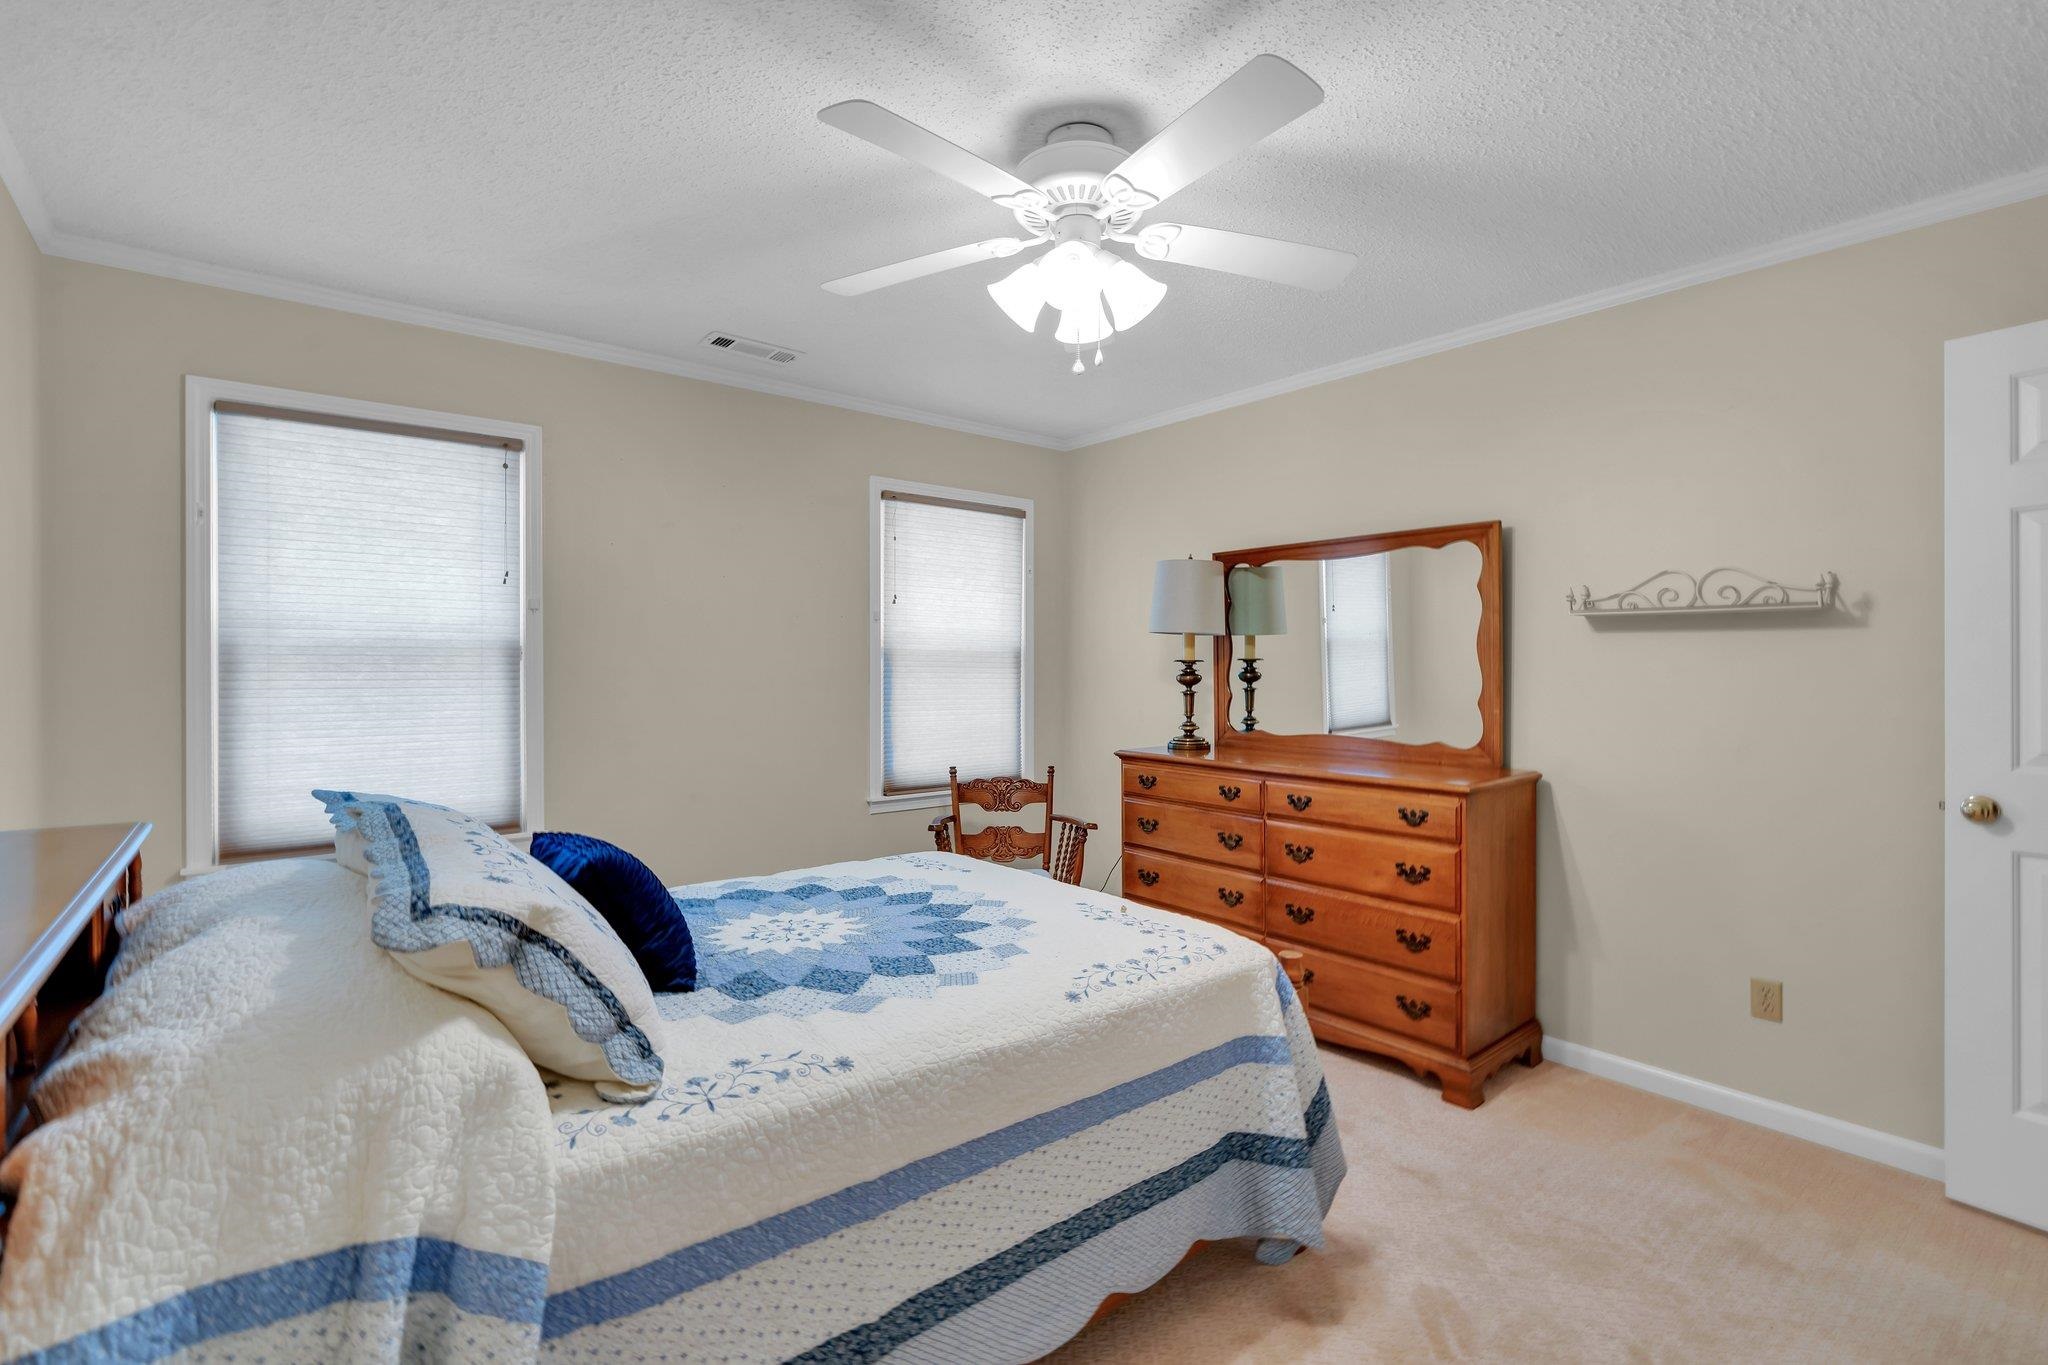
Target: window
[(363, 612), (950, 652), (1358, 690)]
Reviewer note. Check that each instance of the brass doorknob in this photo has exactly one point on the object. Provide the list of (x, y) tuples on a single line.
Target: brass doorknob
[(1981, 810)]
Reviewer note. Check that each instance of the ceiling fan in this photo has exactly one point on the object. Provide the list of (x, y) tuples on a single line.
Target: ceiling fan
[(1080, 189)]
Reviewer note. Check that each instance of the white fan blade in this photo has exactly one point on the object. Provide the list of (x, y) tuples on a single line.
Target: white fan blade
[(917, 267), (894, 133), (1240, 253), (1266, 94)]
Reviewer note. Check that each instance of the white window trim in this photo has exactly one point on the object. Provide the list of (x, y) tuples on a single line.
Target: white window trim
[(877, 485), (202, 709)]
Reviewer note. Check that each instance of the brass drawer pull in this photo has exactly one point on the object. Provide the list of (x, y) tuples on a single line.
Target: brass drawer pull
[(1233, 899), (1300, 914), (1413, 942), (1229, 840), (1414, 819), (1230, 793), (1148, 876), (1150, 826), (1308, 976), (1301, 853), (1300, 803), (1414, 875), (1414, 1009), (1147, 781)]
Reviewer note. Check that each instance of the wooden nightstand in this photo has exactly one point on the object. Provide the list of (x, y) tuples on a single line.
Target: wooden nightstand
[(59, 892)]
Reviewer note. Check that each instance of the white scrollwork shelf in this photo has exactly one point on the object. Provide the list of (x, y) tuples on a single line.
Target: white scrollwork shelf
[(1674, 592)]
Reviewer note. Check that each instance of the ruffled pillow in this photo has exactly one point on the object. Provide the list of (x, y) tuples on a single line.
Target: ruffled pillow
[(460, 908), (632, 900), (348, 839)]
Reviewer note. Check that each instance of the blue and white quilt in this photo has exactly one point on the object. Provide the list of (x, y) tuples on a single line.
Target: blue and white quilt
[(920, 1108)]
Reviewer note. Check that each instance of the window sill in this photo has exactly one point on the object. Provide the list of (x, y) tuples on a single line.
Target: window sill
[(933, 800), (520, 838)]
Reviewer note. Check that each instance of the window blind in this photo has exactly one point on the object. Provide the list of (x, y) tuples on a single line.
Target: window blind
[(368, 625), (952, 632), (1357, 662)]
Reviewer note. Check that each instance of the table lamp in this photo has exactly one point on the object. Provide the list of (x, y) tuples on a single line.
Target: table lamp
[(1187, 600), (1258, 606)]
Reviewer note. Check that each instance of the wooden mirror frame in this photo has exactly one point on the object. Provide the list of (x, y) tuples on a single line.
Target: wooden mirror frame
[(1489, 752)]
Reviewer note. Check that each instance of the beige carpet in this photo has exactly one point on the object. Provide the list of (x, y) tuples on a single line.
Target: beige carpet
[(1570, 1218)]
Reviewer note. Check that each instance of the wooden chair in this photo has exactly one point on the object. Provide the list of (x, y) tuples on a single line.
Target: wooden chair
[(1058, 849)]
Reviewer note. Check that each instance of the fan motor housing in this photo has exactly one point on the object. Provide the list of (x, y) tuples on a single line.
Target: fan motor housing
[(1069, 171), (1069, 168)]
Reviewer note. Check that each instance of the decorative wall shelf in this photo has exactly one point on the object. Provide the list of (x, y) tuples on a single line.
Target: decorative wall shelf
[(1673, 592)]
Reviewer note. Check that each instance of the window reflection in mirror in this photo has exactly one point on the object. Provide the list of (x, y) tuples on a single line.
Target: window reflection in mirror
[(1382, 646)]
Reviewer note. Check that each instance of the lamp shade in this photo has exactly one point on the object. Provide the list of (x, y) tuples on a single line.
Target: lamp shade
[(1132, 294), (1085, 324), (1021, 294), (1258, 600), (1187, 597)]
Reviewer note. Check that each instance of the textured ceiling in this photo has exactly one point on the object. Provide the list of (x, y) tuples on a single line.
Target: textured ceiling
[(637, 174)]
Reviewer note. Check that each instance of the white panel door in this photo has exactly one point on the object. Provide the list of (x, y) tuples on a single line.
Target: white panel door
[(1997, 789)]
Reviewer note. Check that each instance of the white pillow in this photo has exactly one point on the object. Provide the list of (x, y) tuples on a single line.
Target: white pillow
[(462, 909), (348, 840)]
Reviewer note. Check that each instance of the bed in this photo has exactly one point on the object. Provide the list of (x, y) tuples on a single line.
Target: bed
[(919, 1107)]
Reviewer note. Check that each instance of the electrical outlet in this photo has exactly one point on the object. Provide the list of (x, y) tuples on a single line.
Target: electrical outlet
[(1767, 999)]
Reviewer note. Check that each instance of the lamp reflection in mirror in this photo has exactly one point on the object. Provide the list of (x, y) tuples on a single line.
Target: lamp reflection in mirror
[(1258, 606), (1096, 292), (1187, 600)]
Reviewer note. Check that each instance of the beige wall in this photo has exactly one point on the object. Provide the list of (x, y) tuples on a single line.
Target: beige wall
[(1725, 798), (705, 575), (20, 796)]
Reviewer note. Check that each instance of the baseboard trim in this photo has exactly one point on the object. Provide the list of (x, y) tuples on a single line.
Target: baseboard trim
[(1890, 1149)]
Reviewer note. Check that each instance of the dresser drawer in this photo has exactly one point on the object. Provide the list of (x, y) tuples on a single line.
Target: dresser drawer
[(1414, 870), (1224, 894), (1167, 782), (1422, 814), (1413, 940), (1412, 1006), (1211, 835)]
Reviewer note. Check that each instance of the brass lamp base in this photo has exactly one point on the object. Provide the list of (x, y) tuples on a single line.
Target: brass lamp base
[(1189, 740)]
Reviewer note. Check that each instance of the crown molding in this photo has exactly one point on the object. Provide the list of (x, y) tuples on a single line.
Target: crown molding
[(92, 251), (1923, 213), (27, 201)]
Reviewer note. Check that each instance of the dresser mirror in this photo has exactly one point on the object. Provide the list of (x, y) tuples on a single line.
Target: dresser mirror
[(1387, 645)]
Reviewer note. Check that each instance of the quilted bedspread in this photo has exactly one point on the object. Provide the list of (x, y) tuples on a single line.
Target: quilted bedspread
[(919, 1108), (267, 1140)]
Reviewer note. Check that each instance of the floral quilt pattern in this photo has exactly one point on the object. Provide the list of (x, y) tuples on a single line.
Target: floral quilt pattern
[(801, 944), (740, 1080), (1172, 946)]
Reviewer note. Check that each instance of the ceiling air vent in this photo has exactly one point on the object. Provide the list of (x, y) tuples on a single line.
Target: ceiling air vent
[(759, 350)]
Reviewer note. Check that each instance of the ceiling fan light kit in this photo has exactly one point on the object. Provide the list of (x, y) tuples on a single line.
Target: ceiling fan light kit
[(1081, 190)]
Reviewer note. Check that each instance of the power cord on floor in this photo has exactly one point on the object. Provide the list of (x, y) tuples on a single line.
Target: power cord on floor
[(1112, 872)]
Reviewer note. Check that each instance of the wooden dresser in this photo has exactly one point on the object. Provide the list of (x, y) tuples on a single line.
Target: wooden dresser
[(1410, 891), (1402, 871)]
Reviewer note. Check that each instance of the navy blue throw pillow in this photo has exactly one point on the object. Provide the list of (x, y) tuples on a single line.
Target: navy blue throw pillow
[(632, 900)]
